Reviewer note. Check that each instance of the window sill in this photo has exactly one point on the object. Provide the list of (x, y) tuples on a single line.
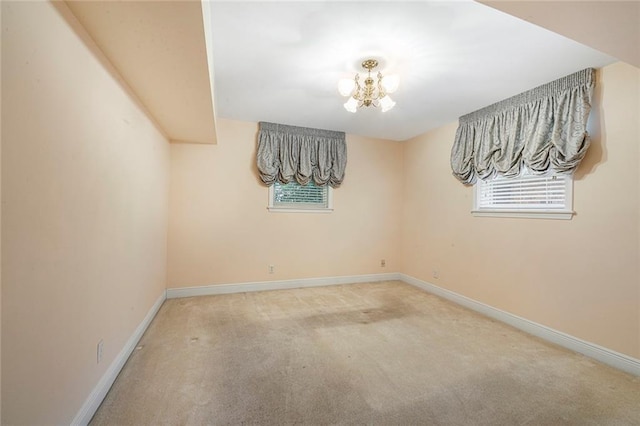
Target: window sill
[(286, 210), (531, 214)]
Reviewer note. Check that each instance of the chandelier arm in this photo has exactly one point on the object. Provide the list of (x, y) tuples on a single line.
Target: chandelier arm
[(357, 92), (381, 92)]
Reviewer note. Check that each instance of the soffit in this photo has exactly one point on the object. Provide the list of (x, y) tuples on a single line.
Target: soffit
[(612, 27), (159, 49)]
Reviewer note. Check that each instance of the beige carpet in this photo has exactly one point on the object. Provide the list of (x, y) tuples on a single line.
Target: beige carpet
[(381, 353)]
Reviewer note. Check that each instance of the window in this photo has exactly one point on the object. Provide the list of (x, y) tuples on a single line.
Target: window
[(546, 197), (293, 197)]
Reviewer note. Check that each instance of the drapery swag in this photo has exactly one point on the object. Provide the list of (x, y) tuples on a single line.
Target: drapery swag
[(289, 152), (540, 130)]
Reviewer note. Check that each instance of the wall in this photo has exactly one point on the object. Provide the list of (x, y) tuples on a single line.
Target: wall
[(221, 232), (580, 276), (576, 20), (84, 214), (0, 230)]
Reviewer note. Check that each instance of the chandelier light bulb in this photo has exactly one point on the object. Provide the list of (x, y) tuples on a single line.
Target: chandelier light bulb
[(351, 105), (346, 86), (386, 103), (390, 83)]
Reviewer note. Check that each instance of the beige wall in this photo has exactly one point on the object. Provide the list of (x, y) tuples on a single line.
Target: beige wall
[(576, 19), (221, 232), (84, 215), (0, 234), (580, 276)]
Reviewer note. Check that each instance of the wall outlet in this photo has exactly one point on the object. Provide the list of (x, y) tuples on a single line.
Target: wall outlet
[(383, 263), (99, 351), (271, 269), (436, 274)]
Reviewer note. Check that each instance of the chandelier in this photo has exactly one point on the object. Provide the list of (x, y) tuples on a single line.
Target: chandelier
[(374, 92)]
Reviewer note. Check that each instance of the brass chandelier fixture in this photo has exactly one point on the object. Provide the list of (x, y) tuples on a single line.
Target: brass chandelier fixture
[(374, 92)]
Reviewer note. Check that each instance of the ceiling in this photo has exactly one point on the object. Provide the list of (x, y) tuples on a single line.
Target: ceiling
[(281, 61)]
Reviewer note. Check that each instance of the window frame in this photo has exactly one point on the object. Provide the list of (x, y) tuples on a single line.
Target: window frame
[(273, 207), (537, 213)]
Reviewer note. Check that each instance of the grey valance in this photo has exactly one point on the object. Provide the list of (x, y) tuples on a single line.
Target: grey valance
[(290, 152), (542, 129)]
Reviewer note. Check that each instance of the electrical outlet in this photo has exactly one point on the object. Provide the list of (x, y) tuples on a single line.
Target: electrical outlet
[(271, 269), (436, 274), (99, 351), (383, 263)]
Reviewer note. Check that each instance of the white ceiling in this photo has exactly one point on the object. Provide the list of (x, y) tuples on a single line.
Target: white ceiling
[(281, 61)]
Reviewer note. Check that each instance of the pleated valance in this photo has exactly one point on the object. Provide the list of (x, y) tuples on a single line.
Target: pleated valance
[(540, 130), (300, 153)]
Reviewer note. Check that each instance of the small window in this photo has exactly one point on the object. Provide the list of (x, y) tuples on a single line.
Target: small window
[(546, 197), (293, 197)]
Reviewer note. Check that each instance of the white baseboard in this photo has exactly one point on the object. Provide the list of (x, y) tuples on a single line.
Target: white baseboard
[(209, 290), (604, 355), (98, 393)]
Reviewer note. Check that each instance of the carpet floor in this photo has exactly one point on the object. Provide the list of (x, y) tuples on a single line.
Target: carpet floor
[(379, 353)]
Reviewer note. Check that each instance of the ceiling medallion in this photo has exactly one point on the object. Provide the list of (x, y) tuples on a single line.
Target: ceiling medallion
[(373, 93)]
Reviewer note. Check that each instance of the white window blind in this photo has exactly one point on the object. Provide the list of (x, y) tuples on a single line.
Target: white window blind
[(525, 196), (295, 197)]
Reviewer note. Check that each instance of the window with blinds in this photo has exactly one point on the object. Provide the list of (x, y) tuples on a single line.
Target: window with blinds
[(525, 196), (295, 197)]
